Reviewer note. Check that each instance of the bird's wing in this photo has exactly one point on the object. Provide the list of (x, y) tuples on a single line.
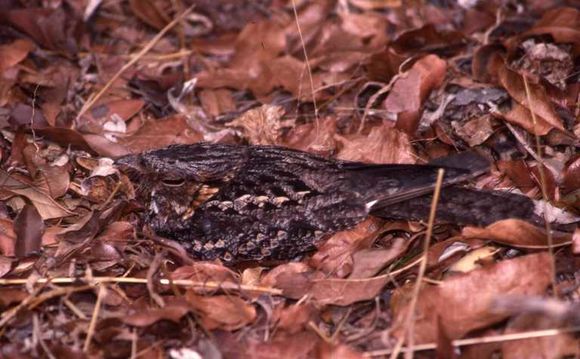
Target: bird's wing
[(384, 185)]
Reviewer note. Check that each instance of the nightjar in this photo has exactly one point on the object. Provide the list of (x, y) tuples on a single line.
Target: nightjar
[(240, 203)]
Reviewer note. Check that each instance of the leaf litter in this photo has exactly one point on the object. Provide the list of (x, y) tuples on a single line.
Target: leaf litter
[(373, 81)]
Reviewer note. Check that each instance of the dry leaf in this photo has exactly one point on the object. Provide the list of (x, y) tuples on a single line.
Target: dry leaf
[(462, 302)]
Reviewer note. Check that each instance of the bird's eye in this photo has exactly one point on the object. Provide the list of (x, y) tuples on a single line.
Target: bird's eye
[(173, 182)]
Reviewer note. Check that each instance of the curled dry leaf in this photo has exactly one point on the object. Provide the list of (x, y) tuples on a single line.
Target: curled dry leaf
[(335, 256), (150, 13), (29, 228), (109, 116), (174, 310), (429, 39), (519, 173), (571, 181), (315, 137), (11, 295), (547, 117), (14, 52), (216, 102), (517, 233), (7, 237), (347, 291), (576, 241), (205, 272), (222, 311), (5, 265), (474, 259), (45, 26), (562, 24), (295, 317), (294, 279), (412, 88), (262, 125), (368, 262), (463, 302), (53, 179)]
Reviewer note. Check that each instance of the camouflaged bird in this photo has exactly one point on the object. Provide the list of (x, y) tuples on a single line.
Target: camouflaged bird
[(240, 203)]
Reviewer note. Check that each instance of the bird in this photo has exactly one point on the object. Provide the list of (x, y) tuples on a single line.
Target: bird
[(242, 203)]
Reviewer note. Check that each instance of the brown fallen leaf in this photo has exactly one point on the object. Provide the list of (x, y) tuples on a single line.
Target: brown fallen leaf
[(283, 345), (222, 311), (368, 262), (571, 181), (53, 179), (29, 227), (262, 125), (344, 292), (429, 39), (217, 102), (462, 302), (342, 351), (161, 133), (540, 103), (517, 233), (335, 256), (46, 206), (294, 318), (552, 347), (14, 52), (294, 279), (561, 23), (383, 144), (521, 116), (315, 137), (204, 272), (174, 310), (576, 241), (411, 89), (150, 13)]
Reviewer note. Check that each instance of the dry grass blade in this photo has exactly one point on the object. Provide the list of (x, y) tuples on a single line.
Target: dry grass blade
[(307, 61), (542, 186), (134, 60), (483, 340), (409, 322), (94, 317)]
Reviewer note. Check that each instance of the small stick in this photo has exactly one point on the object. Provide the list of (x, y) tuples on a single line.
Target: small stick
[(94, 317), (164, 281)]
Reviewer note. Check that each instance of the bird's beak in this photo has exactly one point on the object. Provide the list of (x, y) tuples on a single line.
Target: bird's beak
[(131, 165)]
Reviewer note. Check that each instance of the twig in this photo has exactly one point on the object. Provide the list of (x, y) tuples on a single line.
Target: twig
[(543, 188), (133, 60), (94, 317), (410, 318), (164, 281), (484, 340)]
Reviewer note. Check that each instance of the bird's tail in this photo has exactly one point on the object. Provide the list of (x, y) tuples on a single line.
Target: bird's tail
[(465, 206)]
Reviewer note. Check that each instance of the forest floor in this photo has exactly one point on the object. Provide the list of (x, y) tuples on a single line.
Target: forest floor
[(379, 81)]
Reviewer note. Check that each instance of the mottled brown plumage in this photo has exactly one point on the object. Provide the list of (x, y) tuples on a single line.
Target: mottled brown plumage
[(261, 202)]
